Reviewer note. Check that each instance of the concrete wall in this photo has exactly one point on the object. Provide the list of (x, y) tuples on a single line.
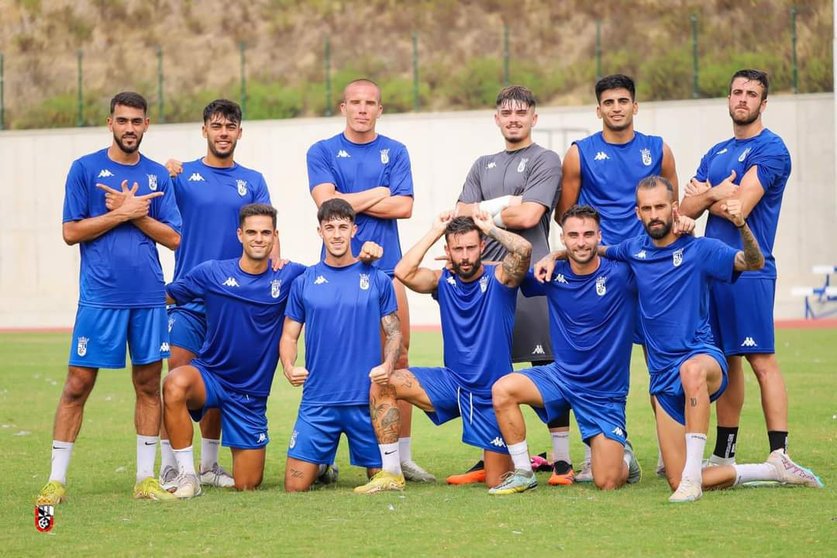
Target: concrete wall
[(39, 273)]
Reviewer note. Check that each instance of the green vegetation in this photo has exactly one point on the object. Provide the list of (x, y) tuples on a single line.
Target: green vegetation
[(101, 518)]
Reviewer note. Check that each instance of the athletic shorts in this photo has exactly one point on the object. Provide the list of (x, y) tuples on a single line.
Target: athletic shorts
[(317, 433), (100, 335), (594, 414), (742, 316), (187, 329), (668, 388), (243, 416), (451, 399), (530, 338)]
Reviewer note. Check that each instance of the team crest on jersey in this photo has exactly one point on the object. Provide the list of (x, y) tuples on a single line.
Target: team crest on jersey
[(601, 285), (242, 187), (522, 166), (152, 182), (275, 287), (293, 440), (744, 155), (81, 347), (483, 283), (677, 257), (646, 157), (384, 156), (364, 281)]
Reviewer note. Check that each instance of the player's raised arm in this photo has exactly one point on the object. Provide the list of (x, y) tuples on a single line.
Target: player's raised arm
[(408, 270), (288, 351), (516, 263), (750, 257)]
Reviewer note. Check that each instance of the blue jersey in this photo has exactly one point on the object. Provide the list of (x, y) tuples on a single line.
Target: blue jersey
[(477, 322), (121, 268), (609, 175), (673, 287), (591, 324), (354, 167), (244, 316), (209, 199), (341, 308), (768, 153)]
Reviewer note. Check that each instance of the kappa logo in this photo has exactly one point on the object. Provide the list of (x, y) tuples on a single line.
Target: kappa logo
[(451, 280), (261, 438), (601, 285), (320, 280), (749, 342), (364, 281), (152, 182), (640, 255), (618, 431), (164, 347), (343, 155), (384, 156), (490, 165), (722, 151), (104, 173), (744, 154), (601, 156), (242, 187), (231, 282), (560, 278), (677, 257), (522, 166), (196, 177), (483, 283), (293, 439), (81, 346), (538, 350), (275, 288), (646, 157), (498, 441)]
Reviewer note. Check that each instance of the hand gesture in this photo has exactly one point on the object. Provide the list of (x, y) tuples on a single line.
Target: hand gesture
[(733, 211), (370, 252), (543, 268), (127, 202), (174, 167), (296, 375), (726, 189), (483, 220), (696, 187), (441, 221), (682, 225), (380, 374)]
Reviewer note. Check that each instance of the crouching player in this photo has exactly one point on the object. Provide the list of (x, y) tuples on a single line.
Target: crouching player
[(592, 302), (245, 302)]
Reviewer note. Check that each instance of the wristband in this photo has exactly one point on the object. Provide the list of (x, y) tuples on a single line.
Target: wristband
[(495, 205), (498, 220)]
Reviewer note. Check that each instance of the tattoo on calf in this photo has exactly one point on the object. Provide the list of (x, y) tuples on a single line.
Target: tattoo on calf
[(693, 401)]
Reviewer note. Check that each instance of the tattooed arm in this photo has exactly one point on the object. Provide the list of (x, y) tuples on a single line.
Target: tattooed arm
[(750, 257), (516, 263), (392, 348)]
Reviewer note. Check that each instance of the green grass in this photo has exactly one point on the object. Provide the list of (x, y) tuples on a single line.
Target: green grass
[(101, 518)]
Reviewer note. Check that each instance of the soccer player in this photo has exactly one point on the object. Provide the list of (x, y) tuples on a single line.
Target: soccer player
[(592, 302), (121, 290), (477, 303), (688, 371), (372, 173), (753, 166), (343, 303), (209, 191), (602, 170), (243, 301), (519, 187)]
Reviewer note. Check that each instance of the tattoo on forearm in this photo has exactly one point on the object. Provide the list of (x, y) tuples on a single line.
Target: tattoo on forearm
[(516, 262), (750, 256), (392, 331)]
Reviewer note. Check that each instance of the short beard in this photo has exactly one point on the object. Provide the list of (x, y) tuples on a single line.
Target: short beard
[(744, 121), (571, 256), (125, 149), (465, 276), (220, 154), (658, 234)]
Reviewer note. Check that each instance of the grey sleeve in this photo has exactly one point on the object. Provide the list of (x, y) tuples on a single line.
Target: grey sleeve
[(472, 189), (543, 185)]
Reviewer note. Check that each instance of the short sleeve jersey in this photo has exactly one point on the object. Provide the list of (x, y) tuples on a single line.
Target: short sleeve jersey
[(768, 153), (591, 321), (353, 168), (609, 175), (244, 316), (121, 268), (534, 173), (341, 308)]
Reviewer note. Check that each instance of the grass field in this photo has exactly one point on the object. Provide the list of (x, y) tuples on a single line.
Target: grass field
[(102, 519)]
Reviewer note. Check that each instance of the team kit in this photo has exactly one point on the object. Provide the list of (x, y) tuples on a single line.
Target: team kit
[(631, 272)]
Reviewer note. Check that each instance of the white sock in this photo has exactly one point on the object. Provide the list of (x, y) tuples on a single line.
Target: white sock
[(755, 472), (695, 445), (588, 453), (520, 456), (405, 449), (561, 446), (626, 457), (146, 454), (209, 453), (166, 455), (390, 458), (185, 460), (61, 452)]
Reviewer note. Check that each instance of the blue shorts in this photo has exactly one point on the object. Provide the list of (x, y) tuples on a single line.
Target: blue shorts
[(668, 389), (317, 433), (450, 399), (595, 414), (100, 334), (187, 329), (742, 316), (243, 417)]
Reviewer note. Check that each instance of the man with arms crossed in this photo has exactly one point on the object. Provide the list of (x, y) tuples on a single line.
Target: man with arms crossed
[(344, 303), (753, 167), (121, 296), (477, 304), (244, 302), (210, 191), (372, 173), (592, 303), (687, 370), (519, 187), (602, 170)]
